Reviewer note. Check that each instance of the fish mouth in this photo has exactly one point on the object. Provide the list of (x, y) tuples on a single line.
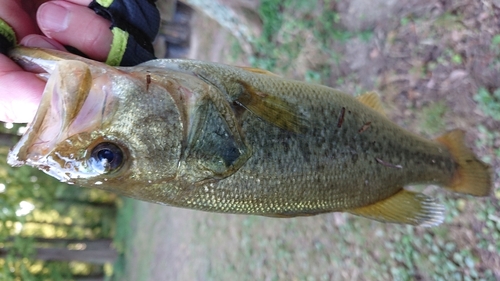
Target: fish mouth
[(75, 101), (39, 60)]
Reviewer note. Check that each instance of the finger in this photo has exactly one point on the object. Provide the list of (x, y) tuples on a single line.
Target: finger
[(80, 2), (77, 26), (40, 41), (31, 6), (20, 93), (13, 13)]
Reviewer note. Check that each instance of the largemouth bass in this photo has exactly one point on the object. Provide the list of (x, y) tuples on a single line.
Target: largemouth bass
[(240, 140)]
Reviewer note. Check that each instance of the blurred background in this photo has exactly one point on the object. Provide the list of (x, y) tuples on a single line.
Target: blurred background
[(435, 64)]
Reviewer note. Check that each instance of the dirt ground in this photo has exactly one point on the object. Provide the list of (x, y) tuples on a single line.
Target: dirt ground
[(428, 59)]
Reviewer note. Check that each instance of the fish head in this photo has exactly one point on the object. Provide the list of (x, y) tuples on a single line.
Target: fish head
[(96, 126)]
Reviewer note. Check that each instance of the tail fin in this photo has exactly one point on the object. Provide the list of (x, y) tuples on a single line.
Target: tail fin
[(472, 175)]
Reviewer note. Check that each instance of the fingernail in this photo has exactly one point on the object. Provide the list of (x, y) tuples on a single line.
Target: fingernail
[(52, 18), (39, 42)]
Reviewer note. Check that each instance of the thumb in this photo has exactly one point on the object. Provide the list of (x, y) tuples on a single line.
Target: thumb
[(76, 26)]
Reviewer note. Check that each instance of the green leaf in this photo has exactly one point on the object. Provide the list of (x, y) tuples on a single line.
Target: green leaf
[(495, 40)]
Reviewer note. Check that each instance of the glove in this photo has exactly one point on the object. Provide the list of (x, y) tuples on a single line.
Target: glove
[(7, 37), (134, 24)]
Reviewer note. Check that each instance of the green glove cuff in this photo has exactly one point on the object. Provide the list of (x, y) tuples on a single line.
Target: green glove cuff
[(105, 3), (134, 24), (7, 37), (118, 47)]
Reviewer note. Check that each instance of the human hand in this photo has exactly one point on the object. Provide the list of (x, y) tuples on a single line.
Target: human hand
[(46, 24)]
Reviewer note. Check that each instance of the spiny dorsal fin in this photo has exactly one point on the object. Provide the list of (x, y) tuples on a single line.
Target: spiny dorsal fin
[(271, 109), (372, 100), (258, 70), (404, 207)]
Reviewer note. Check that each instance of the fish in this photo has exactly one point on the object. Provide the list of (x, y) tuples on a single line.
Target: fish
[(228, 139)]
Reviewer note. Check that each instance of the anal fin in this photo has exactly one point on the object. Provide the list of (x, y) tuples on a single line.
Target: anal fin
[(404, 207)]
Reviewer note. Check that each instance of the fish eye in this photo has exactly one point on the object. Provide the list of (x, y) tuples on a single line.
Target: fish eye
[(106, 157)]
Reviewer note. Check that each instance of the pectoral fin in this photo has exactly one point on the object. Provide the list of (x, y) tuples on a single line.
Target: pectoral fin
[(372, 100), (404, 207), (271, 109)]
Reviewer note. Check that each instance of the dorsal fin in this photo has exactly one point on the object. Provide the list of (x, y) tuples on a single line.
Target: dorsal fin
[(258, 70), (372, 100)]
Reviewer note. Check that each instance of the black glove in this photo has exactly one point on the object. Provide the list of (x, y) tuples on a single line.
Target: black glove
[(134, 24)]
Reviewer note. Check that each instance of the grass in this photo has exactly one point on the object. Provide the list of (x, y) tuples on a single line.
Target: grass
[(319, 248), (288, 26), (489, 142), (431, 118), (335, 246), (489, 102), (123, 239)]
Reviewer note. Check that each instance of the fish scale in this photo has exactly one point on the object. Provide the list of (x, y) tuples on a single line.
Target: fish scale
[(219, 138)]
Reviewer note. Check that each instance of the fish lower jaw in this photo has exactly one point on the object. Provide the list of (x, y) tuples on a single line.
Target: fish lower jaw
[(49, 170), (14, 161)]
